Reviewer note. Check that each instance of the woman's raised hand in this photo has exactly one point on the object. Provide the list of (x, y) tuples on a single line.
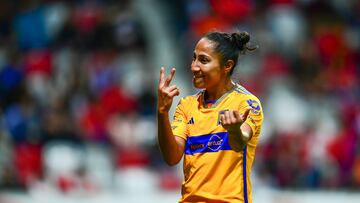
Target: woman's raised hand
[(231, 120), (166, 93)]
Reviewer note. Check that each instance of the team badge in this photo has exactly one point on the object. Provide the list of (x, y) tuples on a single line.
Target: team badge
[(255, 106)]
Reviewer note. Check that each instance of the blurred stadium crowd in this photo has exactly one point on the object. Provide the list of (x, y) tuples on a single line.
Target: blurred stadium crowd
[(78, 95)]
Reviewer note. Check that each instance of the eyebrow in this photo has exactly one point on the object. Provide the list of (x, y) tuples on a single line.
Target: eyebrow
[(202, 55)]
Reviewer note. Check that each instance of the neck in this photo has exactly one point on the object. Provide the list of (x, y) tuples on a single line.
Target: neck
[(218, 91)]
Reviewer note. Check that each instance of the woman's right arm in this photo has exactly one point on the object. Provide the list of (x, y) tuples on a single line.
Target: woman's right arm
[(172, 147)]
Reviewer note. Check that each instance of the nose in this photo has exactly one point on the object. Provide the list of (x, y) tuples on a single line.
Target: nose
[(195, 67)]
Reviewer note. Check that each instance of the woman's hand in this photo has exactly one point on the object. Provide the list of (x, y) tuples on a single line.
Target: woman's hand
[(166, 93), (231, 120), (239, 133)]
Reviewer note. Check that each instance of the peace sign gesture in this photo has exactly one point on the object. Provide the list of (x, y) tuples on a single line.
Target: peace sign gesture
[(166, 93)]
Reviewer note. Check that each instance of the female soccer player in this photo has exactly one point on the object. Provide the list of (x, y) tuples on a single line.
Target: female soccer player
[(217, 129)]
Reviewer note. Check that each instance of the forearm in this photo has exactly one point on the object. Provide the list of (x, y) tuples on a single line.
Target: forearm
[(168, 146), (239, 137)]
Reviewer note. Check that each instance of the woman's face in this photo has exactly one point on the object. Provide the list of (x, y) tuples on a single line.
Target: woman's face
[(206, 66)]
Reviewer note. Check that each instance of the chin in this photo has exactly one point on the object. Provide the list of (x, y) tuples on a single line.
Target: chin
[(198, 86)]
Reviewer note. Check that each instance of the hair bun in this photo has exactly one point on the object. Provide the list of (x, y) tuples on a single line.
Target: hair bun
[(240, 39)]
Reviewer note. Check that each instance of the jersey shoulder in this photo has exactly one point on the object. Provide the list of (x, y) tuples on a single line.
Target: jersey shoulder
[(191, 98), (241, 90), (189, 102), (248, 99)]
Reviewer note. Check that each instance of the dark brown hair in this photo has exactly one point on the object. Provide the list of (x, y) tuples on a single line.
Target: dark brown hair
[(229, 46)]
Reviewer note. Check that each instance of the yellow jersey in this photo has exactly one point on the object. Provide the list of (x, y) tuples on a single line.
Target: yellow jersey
[(213, 171)]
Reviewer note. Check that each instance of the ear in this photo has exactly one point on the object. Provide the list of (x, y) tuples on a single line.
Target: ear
[(228, 66)]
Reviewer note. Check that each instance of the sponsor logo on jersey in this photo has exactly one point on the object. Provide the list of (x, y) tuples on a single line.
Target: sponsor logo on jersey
[(207, 143), (176, 118), (196, 146), (215, 142), (252, 120)]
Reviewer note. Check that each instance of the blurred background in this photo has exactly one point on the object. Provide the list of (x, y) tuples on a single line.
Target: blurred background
[(78, 82)]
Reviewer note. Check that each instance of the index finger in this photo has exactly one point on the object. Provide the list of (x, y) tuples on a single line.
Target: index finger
[(161, 79), (170, 77), (246, 114), (237, 115)]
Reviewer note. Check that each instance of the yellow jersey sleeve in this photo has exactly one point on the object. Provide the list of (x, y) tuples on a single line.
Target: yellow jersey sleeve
[(178, 124), (256, 115)]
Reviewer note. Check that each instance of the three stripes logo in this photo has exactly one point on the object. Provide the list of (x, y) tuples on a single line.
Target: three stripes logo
[(191, 121)]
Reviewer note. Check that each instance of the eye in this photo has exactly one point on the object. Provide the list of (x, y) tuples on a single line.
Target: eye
[(194, 57), (203, 60)]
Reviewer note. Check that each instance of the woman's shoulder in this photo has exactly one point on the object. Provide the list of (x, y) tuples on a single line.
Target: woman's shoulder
[(248, 99), (191, 98), (244, 93), (242, 90)]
